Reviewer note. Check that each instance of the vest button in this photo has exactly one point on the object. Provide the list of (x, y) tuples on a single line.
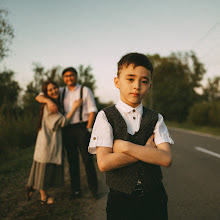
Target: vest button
[(134, 118), (133, 110), (94, 138)]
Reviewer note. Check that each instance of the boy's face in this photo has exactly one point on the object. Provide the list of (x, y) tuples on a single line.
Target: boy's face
[(133, 84)]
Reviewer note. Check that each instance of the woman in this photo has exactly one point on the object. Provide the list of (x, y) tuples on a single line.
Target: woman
[(47, 168)]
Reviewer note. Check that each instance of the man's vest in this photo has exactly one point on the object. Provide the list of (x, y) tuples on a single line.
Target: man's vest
[(125, 179)]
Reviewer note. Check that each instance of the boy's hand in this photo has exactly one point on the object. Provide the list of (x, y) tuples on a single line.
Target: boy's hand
[(150, 142), (119, 146)]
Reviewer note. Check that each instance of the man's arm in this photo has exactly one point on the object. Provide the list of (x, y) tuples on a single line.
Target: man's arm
[(91, 107), (91, 119), (51, 105), (107, 160), (160, 155)]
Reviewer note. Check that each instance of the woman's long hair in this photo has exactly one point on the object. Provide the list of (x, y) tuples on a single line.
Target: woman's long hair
[(44, 90)]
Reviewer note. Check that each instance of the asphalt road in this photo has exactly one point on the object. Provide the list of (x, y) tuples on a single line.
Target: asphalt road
[(193, 180)]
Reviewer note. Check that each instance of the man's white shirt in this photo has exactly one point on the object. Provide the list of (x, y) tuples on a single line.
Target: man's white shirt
[(102, 134), (88, 102)]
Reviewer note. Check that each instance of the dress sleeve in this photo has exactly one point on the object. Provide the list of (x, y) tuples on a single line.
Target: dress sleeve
[(102, 134), (54, 121), (161, 133)]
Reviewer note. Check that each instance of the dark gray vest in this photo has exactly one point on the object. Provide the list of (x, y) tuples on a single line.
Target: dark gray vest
[(125, 179)]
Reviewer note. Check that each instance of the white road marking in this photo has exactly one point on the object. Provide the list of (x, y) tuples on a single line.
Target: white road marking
[(207, 152)]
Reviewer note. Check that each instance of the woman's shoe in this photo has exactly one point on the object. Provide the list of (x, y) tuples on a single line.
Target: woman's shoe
[(29, 192), (46, 202)]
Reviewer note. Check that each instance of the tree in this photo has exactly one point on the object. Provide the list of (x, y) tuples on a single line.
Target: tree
[(34, 87), (6, 34), (197, 69), (9, 90), (212, 91), (174, 81), (85, 77)]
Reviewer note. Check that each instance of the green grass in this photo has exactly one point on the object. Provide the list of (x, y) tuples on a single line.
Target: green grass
[(14, 165), (204, 129)]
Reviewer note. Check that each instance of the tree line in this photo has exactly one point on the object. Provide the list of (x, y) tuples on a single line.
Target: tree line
[(19, 112), (174, 94)]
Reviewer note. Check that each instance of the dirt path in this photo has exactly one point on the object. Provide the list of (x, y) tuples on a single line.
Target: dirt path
[(13, 204)]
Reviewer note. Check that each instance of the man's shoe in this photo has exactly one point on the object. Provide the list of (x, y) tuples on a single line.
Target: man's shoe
[(94, 194), (76, 194)]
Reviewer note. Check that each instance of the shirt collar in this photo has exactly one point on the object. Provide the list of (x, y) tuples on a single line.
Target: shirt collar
[(127, 108), (76, 87)]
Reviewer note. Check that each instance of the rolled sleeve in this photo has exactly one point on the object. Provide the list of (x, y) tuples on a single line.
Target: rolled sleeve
[(161, 133), (91, 106), (102, 134)]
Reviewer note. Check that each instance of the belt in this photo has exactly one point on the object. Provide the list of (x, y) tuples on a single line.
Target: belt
[(77, 124), (137, 193)]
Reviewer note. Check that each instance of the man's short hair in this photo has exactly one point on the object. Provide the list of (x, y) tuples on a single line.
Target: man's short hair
[(69, 69), (137, 59)]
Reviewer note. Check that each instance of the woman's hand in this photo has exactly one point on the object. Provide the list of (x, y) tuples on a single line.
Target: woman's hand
[(77, 103)]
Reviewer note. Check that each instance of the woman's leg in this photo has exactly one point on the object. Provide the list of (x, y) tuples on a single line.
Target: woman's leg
[(45, 199), (29, 192)]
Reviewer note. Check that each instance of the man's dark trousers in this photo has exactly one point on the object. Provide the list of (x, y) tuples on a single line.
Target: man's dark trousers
[(76, 136)]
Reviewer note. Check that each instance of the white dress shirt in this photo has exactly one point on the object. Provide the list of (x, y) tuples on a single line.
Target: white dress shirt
[(102, 134), (88, 102)]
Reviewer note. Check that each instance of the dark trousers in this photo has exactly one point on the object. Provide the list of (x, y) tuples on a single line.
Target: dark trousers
[(76, 138), (152, 205)]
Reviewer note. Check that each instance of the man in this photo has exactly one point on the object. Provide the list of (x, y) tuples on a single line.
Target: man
[(76, 135)]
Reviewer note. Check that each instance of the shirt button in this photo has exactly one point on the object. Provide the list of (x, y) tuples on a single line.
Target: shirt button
[(134, 118), (94, 138)]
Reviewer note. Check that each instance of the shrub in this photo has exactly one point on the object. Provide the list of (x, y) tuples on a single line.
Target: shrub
[(205, 113), (214, 114), (17, 132)]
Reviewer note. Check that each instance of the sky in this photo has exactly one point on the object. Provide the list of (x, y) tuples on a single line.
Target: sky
[(99, 32)]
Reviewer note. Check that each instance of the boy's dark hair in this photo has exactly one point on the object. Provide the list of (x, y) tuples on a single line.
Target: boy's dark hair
[(137, 59), (71, 69)]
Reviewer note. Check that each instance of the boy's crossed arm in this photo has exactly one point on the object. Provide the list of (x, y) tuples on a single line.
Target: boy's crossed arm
[(158, 155), (125, 153), (109, 160)]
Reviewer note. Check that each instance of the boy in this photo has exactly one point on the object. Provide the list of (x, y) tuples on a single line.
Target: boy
[(123, 138)]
